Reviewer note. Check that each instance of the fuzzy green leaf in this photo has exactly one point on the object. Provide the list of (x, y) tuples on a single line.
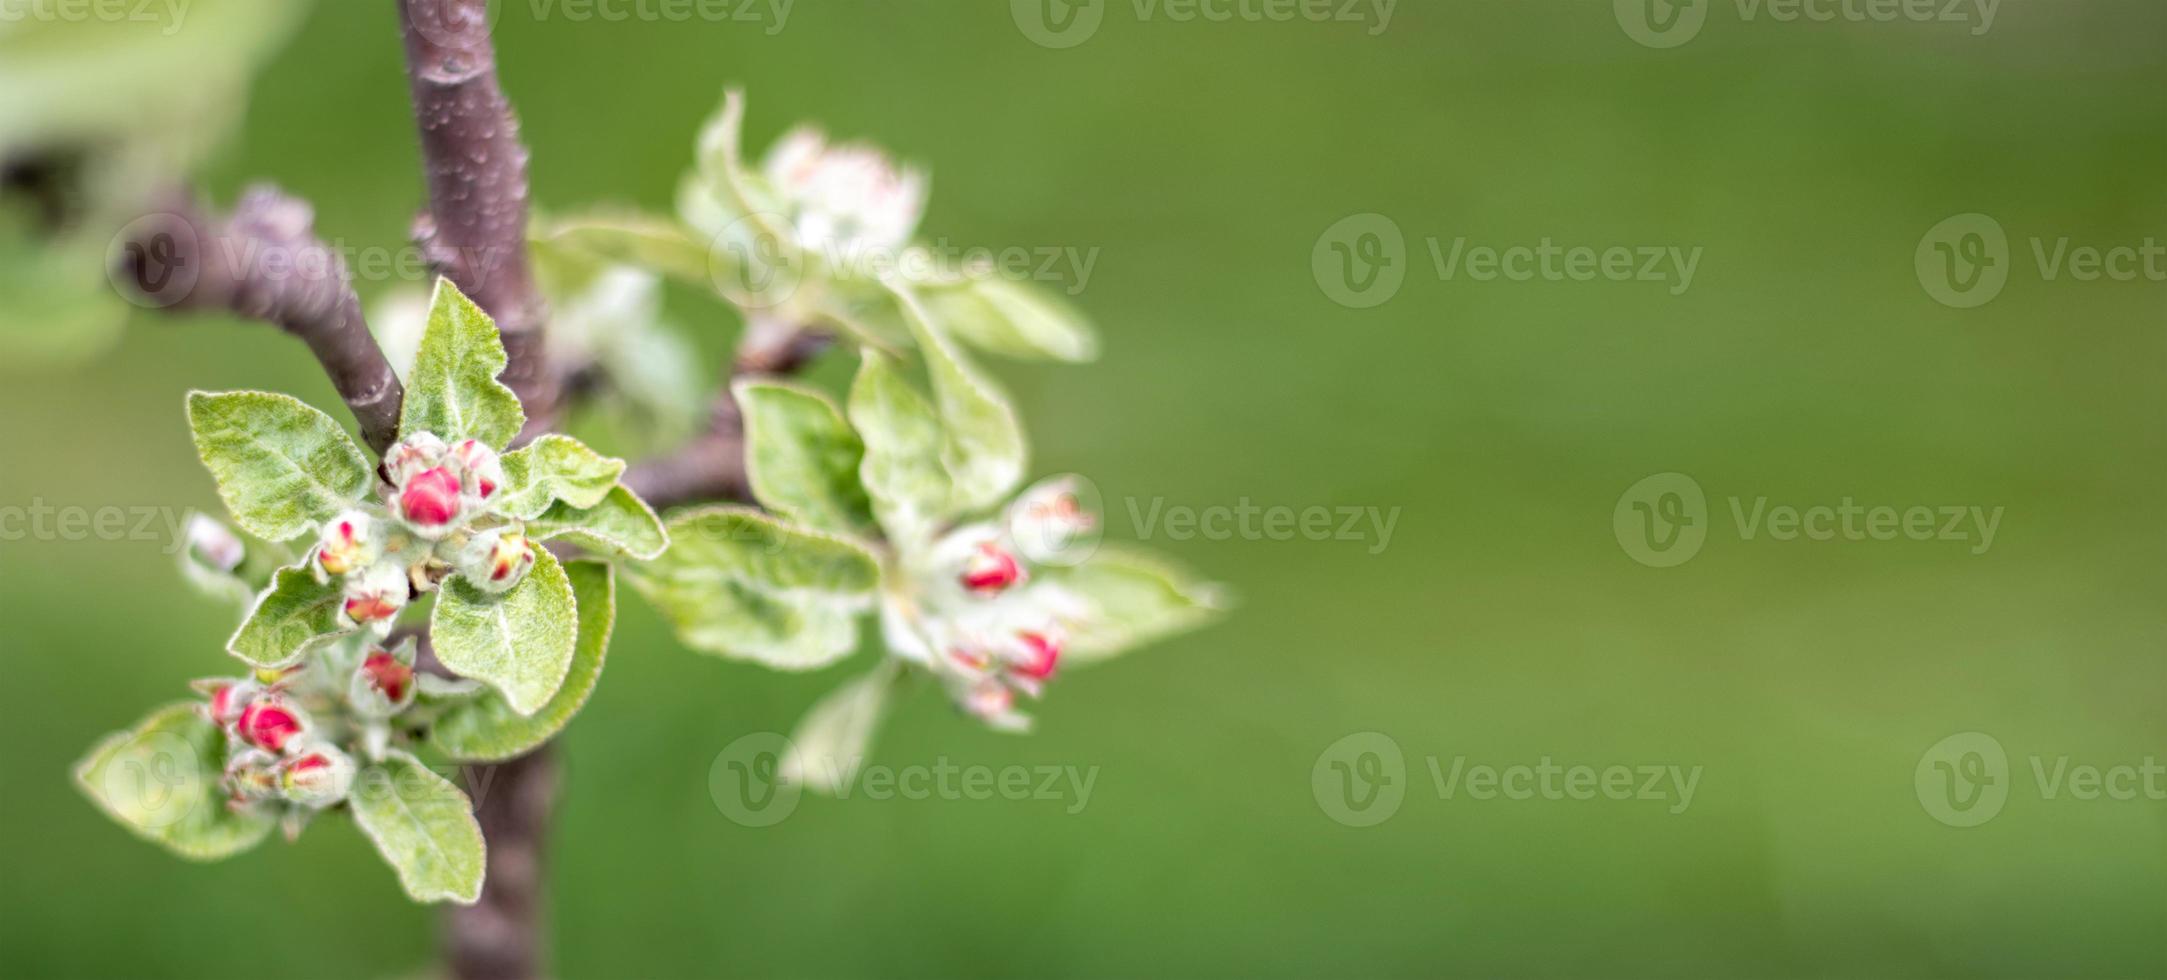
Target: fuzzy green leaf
[(1132, 598), (282, 466), (289, 619), (521, 641), (1014, 319), (985, 451), (621, 525), (423, 826), (554, 468), (903, 441), (486, 728), (453, 390), (802, 457), (161, 781), (741, 584)]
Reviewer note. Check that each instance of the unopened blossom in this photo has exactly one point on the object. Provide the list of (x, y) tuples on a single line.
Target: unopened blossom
[(214, 544), (497, 559), (251, 775), (376, 596), (384, 683), (480, 470), (316, 777), (271, 723), (348, 543)]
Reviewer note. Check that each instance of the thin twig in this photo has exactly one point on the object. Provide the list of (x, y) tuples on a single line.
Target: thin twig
[(265, 263)]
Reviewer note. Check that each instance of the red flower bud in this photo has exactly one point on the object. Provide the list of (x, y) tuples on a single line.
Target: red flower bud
[(419, 452), (431, 499), (251, 775), (1041, 656), (318, 777), (479, 464), (269, 723), (990, 570), (344, 547), (388, 675)]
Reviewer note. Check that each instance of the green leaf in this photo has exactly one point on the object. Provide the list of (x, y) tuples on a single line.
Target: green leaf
[(829, 746), (453, 389), (289, 619), (281, 466), (423, 826), (802, 457), (161, 781), (553, 468), (1015, 319), (903, 443), (621, 525), (1132, 598), (740, 584), (487, 729), (521, 641), (985, 451), (631, 238)]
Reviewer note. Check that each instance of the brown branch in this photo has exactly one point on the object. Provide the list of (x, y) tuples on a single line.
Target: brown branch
[(712, 466), (475, 229), (265, 263)]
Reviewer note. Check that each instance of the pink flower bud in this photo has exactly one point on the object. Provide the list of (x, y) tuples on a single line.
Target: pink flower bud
[(388, 675), (377, 595), (345, 545), (1041, 655), (317, 777), (1055, 523), (270, 723), (990, 570), (224, 698), (990, 700), (430, 501), (418, 453), (251, 775), (478, 463), (214, 544), (496, 560)]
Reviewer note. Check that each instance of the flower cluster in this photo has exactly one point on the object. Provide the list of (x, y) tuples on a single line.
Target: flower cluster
[(435, 521), (844, 198), (974, 615)]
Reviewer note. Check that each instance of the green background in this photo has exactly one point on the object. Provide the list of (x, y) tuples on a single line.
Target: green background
[(1502, 622)]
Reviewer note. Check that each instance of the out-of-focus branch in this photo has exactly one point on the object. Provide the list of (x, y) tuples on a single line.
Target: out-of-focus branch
[(712, 466), (475, 228), (265, 263)]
